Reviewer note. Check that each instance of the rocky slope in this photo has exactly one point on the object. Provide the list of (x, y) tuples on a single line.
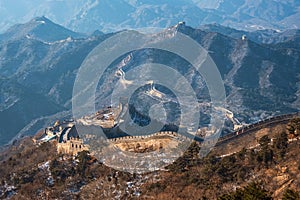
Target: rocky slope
[(267, 171), (37, 72), (37, 28)]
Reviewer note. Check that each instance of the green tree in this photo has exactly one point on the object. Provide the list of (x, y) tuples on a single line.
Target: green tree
[(290, 195), (253, 191), (83, 158), (266, 154), (293, 126), (190, 158), (281, 144), (58, 170), (264, 142)]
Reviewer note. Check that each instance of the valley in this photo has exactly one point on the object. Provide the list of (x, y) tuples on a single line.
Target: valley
[(253, 73), (161, 99)]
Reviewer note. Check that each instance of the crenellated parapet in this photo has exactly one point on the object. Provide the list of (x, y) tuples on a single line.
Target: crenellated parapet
[(72, 146), (241, 131), (258, 125), (142, 137)]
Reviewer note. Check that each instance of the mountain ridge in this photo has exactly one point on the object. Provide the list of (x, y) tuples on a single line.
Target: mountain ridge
[(36, 28), (244, 15), (49, 69)]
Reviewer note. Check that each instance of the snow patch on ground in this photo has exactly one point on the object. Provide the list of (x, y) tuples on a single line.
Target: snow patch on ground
[(46, 167)]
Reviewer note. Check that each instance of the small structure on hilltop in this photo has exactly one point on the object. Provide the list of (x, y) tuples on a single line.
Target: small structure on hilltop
[(244, 37), (72, 146), (181, 23), (104, 118), (153, 91), (66, 136)]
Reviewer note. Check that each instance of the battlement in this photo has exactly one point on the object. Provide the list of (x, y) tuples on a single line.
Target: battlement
[(72, 146), (66, 135), (165, 141), (142, 137)]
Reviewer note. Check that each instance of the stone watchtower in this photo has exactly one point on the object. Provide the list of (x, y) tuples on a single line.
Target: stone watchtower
[(72, 146), (69, 141)]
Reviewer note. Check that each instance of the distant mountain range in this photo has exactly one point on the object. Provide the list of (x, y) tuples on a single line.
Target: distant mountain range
[(38, 69), (36, 29), (109, 16)]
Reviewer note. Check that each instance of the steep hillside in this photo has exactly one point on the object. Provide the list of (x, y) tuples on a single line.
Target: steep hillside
[(267, 171), (261, 80), (38, 76), (37, 28), (19, 105)]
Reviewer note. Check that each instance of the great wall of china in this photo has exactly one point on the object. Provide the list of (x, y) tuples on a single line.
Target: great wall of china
[(257, 126), (163, 133), (65, 144), (222, 140)]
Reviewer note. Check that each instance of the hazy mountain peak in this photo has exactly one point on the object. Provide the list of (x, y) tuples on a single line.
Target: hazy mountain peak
[(89, 15), (41, 19), (39, 28), (212, 4)]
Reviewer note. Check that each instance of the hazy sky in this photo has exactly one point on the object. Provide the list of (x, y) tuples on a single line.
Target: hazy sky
[(274, 14), (207, 3)]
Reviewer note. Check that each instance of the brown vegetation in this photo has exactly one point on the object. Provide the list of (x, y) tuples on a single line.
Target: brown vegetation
[(271, 170)]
